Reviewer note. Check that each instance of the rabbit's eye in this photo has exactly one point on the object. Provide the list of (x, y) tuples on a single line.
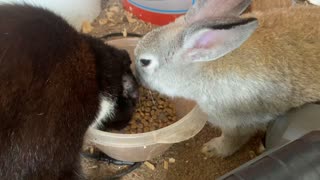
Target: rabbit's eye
[(145, 62)]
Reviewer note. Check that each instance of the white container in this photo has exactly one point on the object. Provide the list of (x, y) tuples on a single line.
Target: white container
[(293, 125), (315, 2), (164, 6), (159, 12), (145, 146), (74, 11)]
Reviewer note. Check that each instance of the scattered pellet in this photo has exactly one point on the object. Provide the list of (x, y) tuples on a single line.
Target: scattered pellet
[(103, 21), (172, 160), (124, 32), (115, 9), (261, 148), (149, 165), (165, 165), (252, 154), (92, 167), (91, 150), (86, 27)]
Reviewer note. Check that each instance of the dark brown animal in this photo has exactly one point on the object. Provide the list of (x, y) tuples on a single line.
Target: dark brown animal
[(53, 82)]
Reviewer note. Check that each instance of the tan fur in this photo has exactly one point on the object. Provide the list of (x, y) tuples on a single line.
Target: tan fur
[(285, 48), (276, 69)]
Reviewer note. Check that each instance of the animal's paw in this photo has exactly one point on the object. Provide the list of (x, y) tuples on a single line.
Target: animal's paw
[(220, 147)]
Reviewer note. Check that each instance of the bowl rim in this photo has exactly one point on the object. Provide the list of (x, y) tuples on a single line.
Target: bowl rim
[(181, 120), (152, 135)]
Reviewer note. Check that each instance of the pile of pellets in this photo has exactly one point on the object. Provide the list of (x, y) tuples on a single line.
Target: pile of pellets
[(153, 112)]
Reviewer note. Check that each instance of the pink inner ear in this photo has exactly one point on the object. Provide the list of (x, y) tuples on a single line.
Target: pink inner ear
[(207, 40)]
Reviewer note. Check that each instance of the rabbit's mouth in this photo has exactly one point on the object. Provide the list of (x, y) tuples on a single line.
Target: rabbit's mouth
[(142, 81), (139, 79)]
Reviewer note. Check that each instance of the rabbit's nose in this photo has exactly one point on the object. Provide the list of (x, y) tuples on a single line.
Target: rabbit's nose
[(145, 62)]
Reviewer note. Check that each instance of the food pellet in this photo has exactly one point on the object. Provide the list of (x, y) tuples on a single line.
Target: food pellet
[(153, 112), (172, 160), (165, 165), (86, 27), (91, 150), (149, 165), (103, 21)]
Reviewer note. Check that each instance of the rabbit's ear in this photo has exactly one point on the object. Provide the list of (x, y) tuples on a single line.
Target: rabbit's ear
[(205, 42), (215, 8)]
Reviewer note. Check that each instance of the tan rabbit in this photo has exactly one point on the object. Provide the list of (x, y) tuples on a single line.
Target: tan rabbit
[(242, 71)]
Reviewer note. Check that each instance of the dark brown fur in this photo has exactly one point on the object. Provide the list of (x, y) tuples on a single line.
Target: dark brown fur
[(50, 81)]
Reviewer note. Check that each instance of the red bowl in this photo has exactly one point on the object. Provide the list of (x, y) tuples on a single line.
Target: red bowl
[(153, 17)]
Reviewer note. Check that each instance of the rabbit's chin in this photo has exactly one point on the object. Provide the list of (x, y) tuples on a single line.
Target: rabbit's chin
[(141, 81)]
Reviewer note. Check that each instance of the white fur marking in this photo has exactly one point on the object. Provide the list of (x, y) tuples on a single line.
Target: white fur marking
[(106, 110)]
